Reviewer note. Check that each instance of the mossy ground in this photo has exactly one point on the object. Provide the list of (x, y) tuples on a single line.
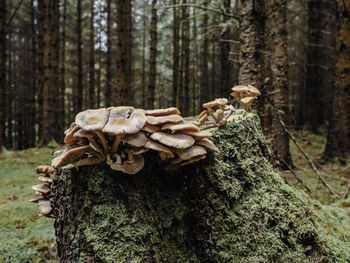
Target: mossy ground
[(26, 237)]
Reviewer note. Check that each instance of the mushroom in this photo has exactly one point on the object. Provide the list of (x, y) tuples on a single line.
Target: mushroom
[(194, 159), (45, 207), (180, 127), (150, 128), (198, 135), (163, 112), (91, 137), (118, 165), (124, 120), (139, 150), (35, 199), (134, 166), (208, 144), (42, 188), (154, 120), (247, 102), (45, 179), (137, 140), (88, 161), (164, 152), (69, 155), (73, 124), (94, 121), (69, 136), (178, 141), (45, 169), (191, 152)]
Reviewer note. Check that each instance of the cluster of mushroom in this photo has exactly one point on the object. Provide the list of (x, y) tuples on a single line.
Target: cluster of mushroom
[(120, 135), (43, 190), (217, 116), (245, 95)]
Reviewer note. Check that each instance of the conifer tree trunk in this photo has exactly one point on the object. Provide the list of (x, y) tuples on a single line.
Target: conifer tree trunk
[(225, 69), (175, 54), (186, 55), (153, 57), (78, 94), (3, 11), (92, 95), (108, 87), (338, 139), (50, 71), (123, 76), (195, 91), (143, 74), (204, 79)]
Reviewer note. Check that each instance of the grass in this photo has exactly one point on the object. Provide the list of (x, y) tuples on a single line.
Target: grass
[(27, 237)]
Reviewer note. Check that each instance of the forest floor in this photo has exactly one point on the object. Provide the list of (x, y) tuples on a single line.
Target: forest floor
[(27, 237)]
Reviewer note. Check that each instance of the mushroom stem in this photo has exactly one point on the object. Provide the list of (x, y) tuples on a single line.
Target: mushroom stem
[(97, 146), (103, 140), (210, 111), (116, 143), (130, 156)]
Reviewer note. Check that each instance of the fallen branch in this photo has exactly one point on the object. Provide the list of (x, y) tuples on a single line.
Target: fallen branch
[(313, 166), (296, 176), (347, 192)]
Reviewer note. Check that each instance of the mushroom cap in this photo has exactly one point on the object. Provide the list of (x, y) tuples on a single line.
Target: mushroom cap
[(198, 135), (125, 120), (154, 120), (194, 159), (208, 144), (163, 112), (42, 188), (253, 91), (150, 128), (240, 88), (139, 150), (178, 141), (135, 166), (248, 100), (73, 124), (45, 179), (45, 169), (92, 120), (69, 136), (216, 102), (138, 139), (150, 144), (88, 161), (180, 126), (44, 207), (205, 112), (84, 134), (191, 152), (35, 199), (69, 155)]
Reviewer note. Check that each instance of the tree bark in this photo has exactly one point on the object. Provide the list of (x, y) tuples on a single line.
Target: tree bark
[(279, 74), (204, 81), (108, 89), (3, 11), (50, 72), (123, 76), (153, 57), (92, 94), (78, 94), (338, 139), (175, 54), (186, 58), (231, 207), (143, 73), (225, 68)]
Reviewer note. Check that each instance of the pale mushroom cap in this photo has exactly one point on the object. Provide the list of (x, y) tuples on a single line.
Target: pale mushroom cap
[(216, 102), (208, 144), (139, 150), (73, 124), (253, 91), (69, 136), (179, 127), (209, 104), (125, 120), (194, 159), (198, 135), (150, 128), (35, 199), (135, 166), (45, 169), (191, 152), (159, 148), (163, 119), (44, 207), (138, 139), (45, 179), (163, 112), (84, 134), (69, 156), (221, 101), (240, 88), (248, 100), (92, 120), (42, 188), (178, 141)]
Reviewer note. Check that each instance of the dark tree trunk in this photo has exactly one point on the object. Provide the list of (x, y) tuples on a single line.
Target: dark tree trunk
[(279, 74), (108, 89), (143, 74), (123, 74), (92, 94), (338, 140), (50, 71), (3, 85), (186, 60), (175, 54), (225, 68), (180, 76), (78, 94), (230, 207), (195, 91), (204, 81), (153, 58)]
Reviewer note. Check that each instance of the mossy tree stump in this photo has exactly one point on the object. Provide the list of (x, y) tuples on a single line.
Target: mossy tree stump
[(230, 207)]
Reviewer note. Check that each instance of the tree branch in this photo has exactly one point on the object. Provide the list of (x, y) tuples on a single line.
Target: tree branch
[(14, 14), (296, 177)]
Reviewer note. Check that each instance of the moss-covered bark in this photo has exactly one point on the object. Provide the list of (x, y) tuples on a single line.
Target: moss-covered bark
[(231, 207)]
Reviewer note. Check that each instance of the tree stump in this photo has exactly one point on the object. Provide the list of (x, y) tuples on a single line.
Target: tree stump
[(230, 207)]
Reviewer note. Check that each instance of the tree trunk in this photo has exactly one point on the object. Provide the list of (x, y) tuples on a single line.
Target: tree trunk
[(195, 91), (123, 52), (225, 69), (153, 57), (252, 43), (92, 95), (78, 94), (231, 207), (50, 71), (186, 56), (279, 74), (338, 140), (3, 11), (108, 89), (175, 54), (204, 81), (143, 74)]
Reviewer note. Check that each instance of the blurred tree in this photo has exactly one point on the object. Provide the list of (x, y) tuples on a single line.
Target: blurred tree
[(3, 11), (92, 84), (153, 57)]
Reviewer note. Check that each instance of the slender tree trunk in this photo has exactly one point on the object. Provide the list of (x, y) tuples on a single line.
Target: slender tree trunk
[(123, 52), (195, 91), (99, 72), (50, 71), (108, 88), (78, 94), (3, 11), (10, 93), (204, 80), (279, 74), (92, 95), (175, 53), (252, 43), (143, 74), (225, 69), (180, 81), (186, 54), (338, 140), (153, 57)]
